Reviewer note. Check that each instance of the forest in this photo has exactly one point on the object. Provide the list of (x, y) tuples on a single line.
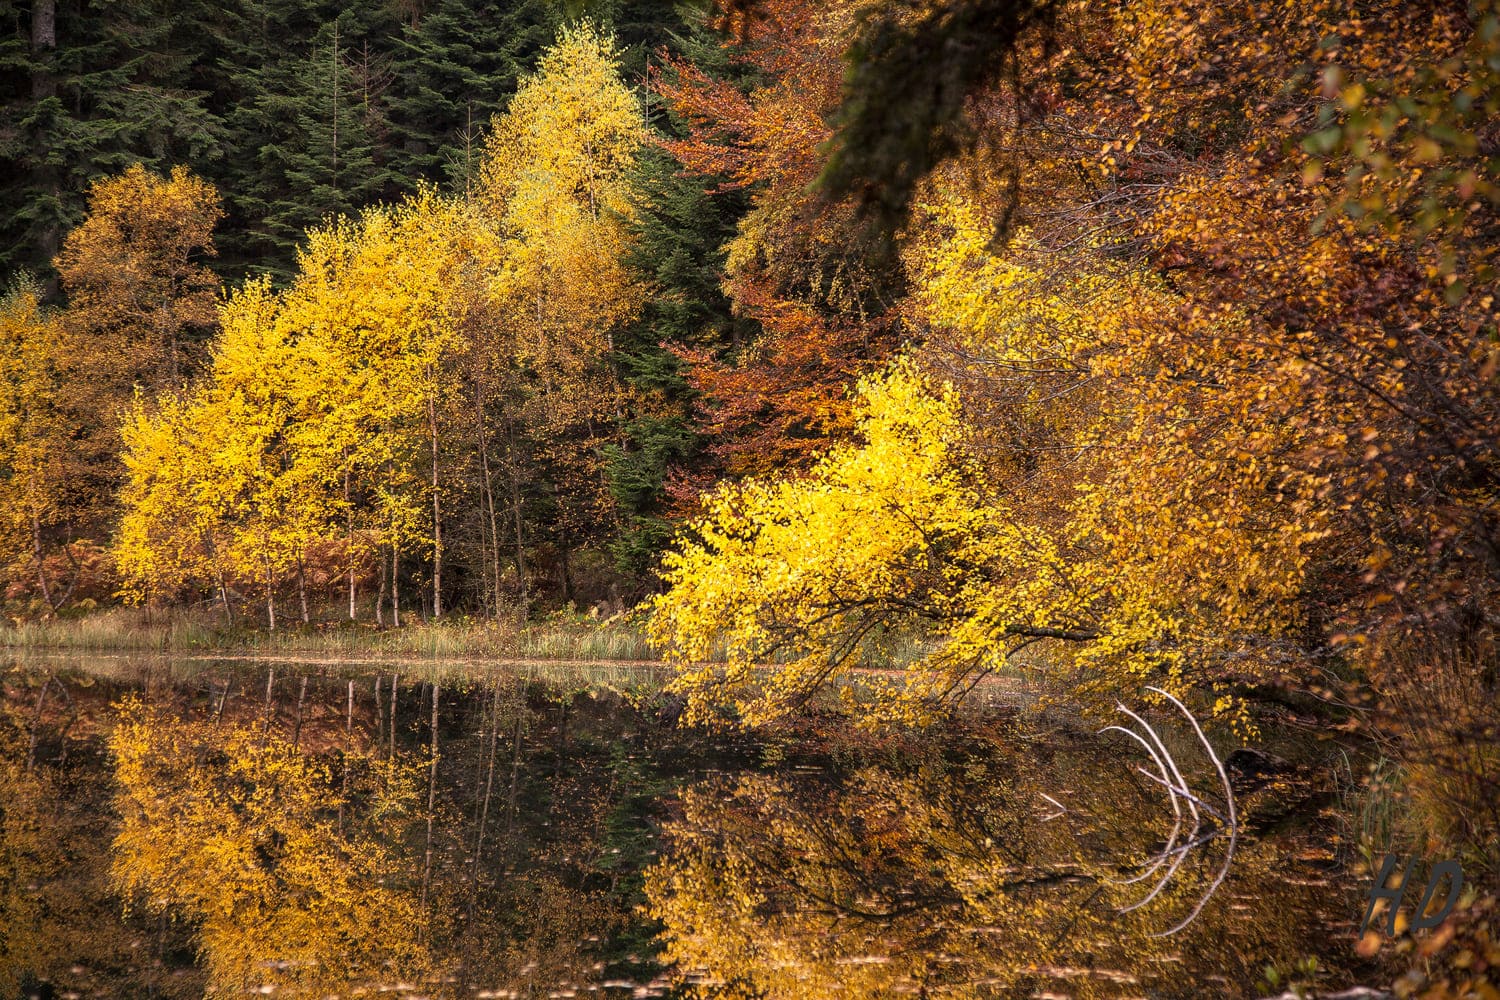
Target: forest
[(856, 353)]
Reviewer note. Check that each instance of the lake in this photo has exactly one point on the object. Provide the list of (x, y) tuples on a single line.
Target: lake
[(200, 827)]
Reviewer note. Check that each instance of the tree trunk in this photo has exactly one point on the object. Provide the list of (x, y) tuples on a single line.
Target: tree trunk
[(41, 568), (380, 596), (437, 516), (395, 586), (489, 490), (349, 554), (67, 550), (302, 589), (43, 88), (515, 503), (213, 554), (270, 595), (43, 39)]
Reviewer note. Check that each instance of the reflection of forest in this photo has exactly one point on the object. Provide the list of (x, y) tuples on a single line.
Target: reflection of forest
[(955, 877), (178, 838), (169, 839)]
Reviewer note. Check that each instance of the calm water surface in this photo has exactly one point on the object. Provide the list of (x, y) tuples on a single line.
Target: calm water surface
[(201, 828)]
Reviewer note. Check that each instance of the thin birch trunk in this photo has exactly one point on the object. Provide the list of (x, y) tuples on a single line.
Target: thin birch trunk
[(349, 553), (270, 595), (437, 516), (395, 586), (380, 597), (489, 490), (41, 567), (515, 503)]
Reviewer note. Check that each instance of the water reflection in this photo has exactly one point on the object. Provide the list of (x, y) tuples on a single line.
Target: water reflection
[(222, 832), (171, 830), (959, 876)]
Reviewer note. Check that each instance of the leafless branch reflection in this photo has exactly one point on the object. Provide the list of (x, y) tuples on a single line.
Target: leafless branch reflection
[(1220, 820)]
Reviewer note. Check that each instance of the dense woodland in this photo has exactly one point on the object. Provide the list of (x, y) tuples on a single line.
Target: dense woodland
[(1118, 345), (1136, 343)]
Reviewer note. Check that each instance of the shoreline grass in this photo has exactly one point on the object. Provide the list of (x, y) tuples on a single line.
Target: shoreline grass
[(119, 630), (559, 636)]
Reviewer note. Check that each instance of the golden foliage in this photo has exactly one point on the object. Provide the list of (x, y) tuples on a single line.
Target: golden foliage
[(132, 270)]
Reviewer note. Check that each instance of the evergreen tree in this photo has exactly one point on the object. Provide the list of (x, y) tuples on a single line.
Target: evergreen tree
[(680, 232), (317, 122), (90, 89), (455, 66)]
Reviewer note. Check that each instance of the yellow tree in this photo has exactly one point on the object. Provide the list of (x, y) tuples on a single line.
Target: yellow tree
[(555, 183), (1075, 475), (172, 534), (134, 277), (377, 314), (32, 469), (320, 414), (140, 300), (274, 485)]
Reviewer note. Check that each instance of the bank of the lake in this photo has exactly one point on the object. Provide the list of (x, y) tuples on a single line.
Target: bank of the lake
[(562, 635)]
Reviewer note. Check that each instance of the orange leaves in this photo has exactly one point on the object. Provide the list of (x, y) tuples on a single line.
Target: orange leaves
[(796, 265), (132, 273), (777, 406)]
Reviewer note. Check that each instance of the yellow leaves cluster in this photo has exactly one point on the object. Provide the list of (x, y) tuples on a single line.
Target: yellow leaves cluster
[(554, 181), (29, 464), (325, 405), (30, 856), (888, 882), (1082, 477), (330, 378), (802, 569), (133, 274)]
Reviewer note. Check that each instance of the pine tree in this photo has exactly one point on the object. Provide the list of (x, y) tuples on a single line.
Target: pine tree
[(680, 232), (90, 91), (455, 65), (319, 117)]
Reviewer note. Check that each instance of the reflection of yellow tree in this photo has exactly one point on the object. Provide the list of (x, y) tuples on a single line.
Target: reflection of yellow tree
[(942, 883), (29, 855), (239, 831)]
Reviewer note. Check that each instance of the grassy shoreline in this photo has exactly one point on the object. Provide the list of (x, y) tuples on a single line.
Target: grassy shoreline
[(183, 631)]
